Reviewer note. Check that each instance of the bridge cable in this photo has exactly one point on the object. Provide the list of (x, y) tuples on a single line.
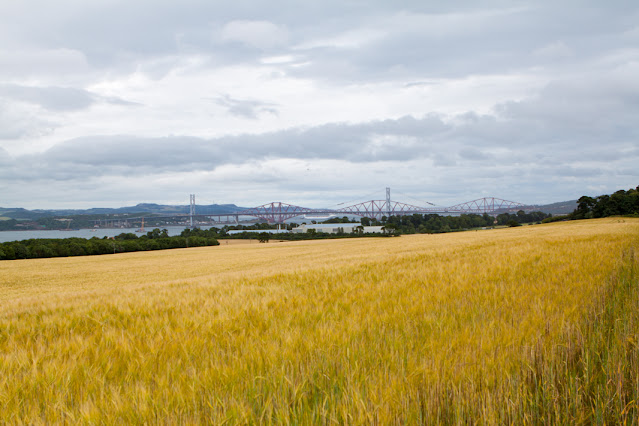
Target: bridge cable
[(356, 199), (421, 201)]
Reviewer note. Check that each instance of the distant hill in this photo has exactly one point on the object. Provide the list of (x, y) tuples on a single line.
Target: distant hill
[(560, 208), (21, 214), (24, 214), (563, 207)]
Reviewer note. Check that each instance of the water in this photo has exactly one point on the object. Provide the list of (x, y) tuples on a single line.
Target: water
[(6, 236)]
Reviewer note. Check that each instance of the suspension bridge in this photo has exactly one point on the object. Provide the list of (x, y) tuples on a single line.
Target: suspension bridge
[(279, 212)]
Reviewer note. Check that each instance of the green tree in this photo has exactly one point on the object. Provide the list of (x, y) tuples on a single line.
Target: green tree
[(126, 236), (40, 250), (9, 252), (584, 207), (156, 233), (264, 237), (389, 228), (21, 251)]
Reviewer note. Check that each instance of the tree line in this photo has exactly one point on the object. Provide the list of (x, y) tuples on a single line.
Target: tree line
[(312, 234), (434, 223), (126, 242), (619, 203)]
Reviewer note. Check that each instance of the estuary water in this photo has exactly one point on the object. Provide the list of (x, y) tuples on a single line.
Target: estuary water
[(6, 236)]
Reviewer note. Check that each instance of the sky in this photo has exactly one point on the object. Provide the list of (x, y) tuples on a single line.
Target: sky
[(111, 103)]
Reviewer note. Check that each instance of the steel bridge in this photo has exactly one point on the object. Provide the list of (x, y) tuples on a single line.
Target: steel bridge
[(278, 212)]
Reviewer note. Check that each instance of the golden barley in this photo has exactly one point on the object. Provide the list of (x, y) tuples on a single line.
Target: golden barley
[(493, 326)]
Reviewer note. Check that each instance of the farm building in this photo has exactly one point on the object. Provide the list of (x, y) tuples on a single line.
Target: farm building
[(259, 231)]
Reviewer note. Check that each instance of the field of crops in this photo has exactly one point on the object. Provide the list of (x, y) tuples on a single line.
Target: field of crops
[(537, 324)]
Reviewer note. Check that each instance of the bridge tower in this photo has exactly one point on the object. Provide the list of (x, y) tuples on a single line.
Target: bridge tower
[(388, 202), (192, 211)]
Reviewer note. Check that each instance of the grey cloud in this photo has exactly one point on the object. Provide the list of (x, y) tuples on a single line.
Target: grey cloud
[(520, 153), (116, 101), (583, 121), (260, 34), (555, 50), (5, 159), (478, 42), (28, 62), (387, 140), (53, 98), (245, 108), (473, 154), (521, 135), (130, 152), (420, 83), (18, 123), (444, 159), (576, 119), (628, 171), (477, 38), (568, 171), (56, 98)]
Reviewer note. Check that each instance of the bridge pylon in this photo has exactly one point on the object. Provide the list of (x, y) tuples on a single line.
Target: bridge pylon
[(192, 209)]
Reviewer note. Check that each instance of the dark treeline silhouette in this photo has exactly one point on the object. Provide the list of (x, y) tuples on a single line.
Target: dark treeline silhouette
[(127, 242), (434, 223), (618, 204), (313, 235)]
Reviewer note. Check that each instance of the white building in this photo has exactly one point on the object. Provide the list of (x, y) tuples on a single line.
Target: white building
[(335, 228), (259, 231)]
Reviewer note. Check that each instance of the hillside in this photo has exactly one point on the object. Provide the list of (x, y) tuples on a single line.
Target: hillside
[(555, 209), (23, 214)]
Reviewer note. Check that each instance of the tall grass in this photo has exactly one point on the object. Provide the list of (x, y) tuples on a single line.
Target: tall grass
[(530, 325), (592, 376)]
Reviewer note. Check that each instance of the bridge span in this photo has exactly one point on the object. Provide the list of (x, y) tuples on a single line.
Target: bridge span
[(278, 212)]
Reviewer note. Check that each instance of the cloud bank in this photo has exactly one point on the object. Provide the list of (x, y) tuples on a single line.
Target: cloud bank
[(315, 104)]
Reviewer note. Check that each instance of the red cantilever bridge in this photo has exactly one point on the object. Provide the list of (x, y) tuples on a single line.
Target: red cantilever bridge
[(278, 212)]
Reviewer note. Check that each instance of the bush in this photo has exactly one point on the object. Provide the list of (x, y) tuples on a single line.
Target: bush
[(556, 218), (9, 252), (76, 249), (264, 237)]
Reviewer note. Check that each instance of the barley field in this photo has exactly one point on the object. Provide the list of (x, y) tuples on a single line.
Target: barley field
[(537, 324)]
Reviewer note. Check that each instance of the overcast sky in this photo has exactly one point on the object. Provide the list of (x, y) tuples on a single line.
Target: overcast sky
[(113, 102)]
